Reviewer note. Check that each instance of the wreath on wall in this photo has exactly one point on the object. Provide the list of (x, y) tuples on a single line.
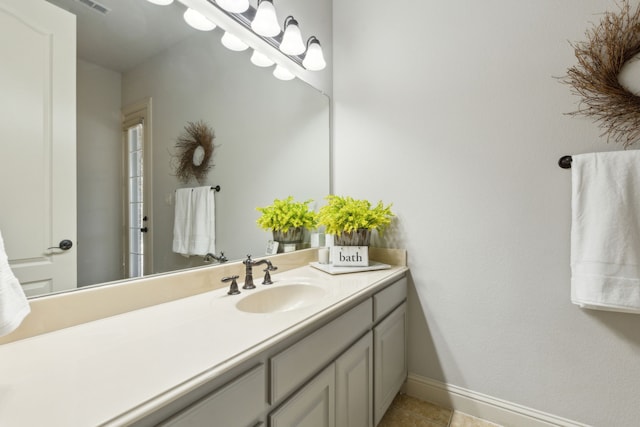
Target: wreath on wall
[(194, 149), (609, 45)]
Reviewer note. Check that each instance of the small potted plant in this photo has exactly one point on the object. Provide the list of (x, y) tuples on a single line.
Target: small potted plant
[(351, 220), (287, 220)]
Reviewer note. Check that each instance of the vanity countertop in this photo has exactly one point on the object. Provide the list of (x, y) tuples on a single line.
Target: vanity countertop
[(115, 370)]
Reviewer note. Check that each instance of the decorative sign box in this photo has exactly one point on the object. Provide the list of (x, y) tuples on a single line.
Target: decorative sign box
[(350, 256)]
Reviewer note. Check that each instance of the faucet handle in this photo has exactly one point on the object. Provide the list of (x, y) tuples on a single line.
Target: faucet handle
[(267, 276), (233, 289)]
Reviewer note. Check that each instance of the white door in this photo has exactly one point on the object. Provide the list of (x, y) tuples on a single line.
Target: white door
[(37, 143)]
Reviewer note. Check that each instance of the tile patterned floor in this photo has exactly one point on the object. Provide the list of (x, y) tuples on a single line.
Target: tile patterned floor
[(406, 411)]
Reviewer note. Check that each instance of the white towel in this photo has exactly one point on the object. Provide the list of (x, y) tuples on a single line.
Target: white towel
[(605, 231), (194, 222), (14, 306), (182, 221)]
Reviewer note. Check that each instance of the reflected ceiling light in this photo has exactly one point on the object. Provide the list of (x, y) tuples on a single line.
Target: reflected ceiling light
[(292, 43), (232, 42), (282, 73), (161, 2), (234, 6), (261, 60), (198, 21), (265, 23), (314, 59)]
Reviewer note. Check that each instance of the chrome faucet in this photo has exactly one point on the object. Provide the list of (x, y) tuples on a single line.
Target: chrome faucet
[(210, 257), (249, 264)]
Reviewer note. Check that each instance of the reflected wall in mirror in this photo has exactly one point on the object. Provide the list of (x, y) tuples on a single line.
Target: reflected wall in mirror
[(271, 137)]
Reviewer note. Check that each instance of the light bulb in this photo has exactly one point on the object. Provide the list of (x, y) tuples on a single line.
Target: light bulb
[(292, 43), (232, 42), (314, 59), (234, 6), (282, 73), (198, 20), (265, 23), (161, 2), (260, 59)]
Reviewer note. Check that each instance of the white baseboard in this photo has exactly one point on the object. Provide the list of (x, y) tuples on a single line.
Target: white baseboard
[(478, 405)]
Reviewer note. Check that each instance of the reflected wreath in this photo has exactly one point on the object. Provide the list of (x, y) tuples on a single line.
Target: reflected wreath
[(194, 150)]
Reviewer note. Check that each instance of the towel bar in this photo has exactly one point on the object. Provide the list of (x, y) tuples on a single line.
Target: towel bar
[(216, 188), (565, 162)]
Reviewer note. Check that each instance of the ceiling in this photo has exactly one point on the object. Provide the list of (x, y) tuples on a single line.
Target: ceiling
[(129, 33)]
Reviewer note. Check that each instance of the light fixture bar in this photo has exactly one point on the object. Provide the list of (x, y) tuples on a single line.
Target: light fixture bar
[(239, 24)]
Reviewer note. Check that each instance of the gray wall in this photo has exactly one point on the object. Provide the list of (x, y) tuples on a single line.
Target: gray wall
[(99, 135), (450, 110)]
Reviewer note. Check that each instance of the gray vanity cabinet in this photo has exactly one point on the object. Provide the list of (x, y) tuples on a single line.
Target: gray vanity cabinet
[(364, 378), (344, 373)]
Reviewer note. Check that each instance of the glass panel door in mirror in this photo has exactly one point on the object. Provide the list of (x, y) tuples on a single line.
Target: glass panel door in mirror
[(135, 201)]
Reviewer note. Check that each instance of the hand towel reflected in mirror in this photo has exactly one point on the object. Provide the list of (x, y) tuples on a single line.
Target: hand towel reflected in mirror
[(194, 221)]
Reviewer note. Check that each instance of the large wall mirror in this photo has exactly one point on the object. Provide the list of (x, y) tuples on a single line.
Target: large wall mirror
[(271, 136)]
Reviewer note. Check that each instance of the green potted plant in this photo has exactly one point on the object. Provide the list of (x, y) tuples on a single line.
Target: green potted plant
[(287, 219), (351, 220)]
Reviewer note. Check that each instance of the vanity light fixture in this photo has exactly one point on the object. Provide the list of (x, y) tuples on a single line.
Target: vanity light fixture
[(282, 73), (292, 43), (257, 28), (261, 60), (265, 23), (198, 21), (234, 6), (232, 42), (314, 58)]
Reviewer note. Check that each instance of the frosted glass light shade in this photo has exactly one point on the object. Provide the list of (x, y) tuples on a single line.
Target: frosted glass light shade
[(198, 20), (292, 43), (234, 6), (161, 2), (232, 42), (265, 22), (261, 60), (314, 58), (282, 73)]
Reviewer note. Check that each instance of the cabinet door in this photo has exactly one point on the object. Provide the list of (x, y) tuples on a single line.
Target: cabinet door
[(312, 406), (354, 385), (239, 403), (390, 359)]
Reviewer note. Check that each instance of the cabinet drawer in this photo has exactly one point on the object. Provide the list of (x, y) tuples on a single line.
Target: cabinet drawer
[(302, 360), (238, 403), (388, 299)]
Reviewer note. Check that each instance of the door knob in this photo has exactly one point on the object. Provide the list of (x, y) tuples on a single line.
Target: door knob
[(65, 245), (144, 229)]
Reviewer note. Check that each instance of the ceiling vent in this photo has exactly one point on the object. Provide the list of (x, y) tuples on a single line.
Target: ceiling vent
[(95, 6)]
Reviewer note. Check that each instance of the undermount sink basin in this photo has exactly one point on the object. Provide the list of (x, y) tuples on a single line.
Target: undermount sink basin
[(281, 298)]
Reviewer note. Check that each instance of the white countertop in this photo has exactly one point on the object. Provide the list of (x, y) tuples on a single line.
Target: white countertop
[(113, 371)]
